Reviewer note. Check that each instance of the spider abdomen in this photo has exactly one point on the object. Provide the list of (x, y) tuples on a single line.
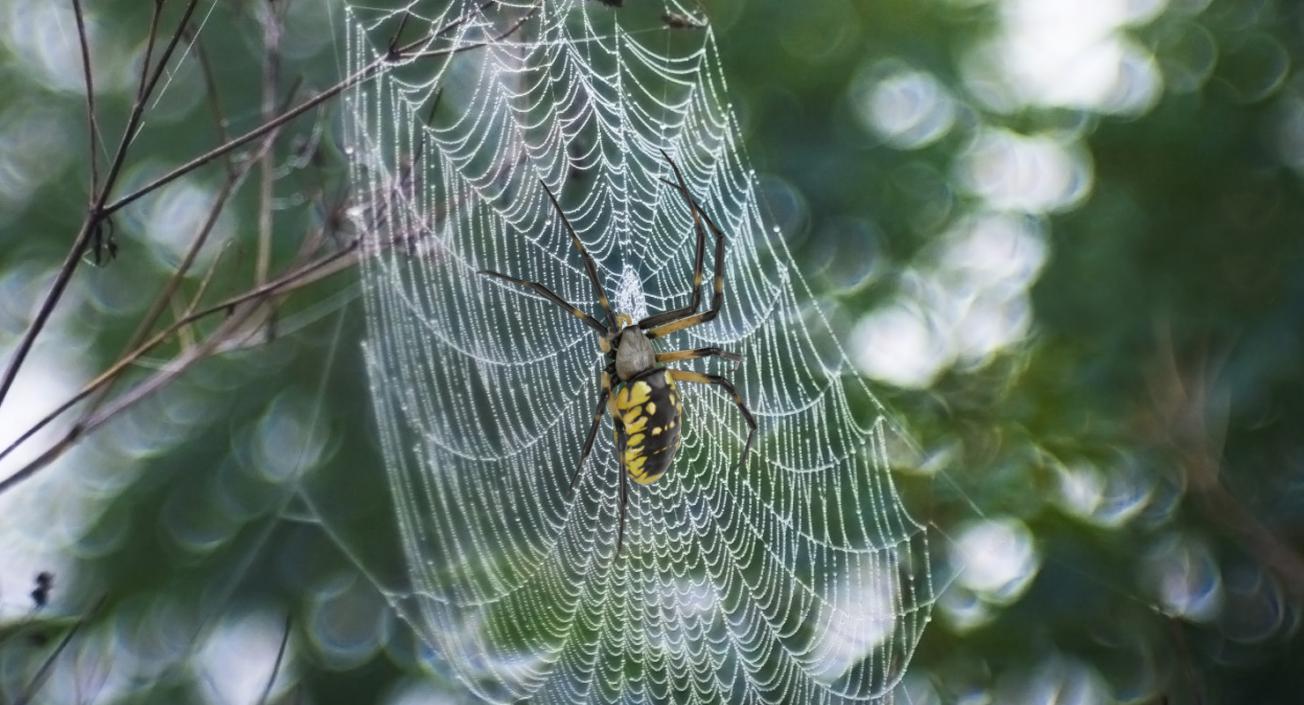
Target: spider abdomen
[(647, 432)]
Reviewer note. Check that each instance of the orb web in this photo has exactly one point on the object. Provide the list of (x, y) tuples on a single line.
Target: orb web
[(799, 577)]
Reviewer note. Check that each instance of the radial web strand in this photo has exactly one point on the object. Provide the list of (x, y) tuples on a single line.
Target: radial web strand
[(799, 578)]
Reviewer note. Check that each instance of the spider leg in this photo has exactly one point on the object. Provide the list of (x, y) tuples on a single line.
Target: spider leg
[(589, 265), (695, 298), (548, 294), (593, 430), (624, 505), (699, 378), (697, 353), (659, 329)]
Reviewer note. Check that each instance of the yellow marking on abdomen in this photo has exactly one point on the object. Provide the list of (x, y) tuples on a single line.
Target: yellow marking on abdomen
[(633, 395)]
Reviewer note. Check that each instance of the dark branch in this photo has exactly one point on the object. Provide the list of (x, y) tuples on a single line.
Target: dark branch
[(91, 224), (90, 98), (288, 281), (276, 666)]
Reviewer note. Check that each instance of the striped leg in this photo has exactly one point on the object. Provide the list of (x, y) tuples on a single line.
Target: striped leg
[(695, 297), (660, 329), (548, 294), (699, 378), (589, 265), (593, 430), (698, 353), (624, 506)]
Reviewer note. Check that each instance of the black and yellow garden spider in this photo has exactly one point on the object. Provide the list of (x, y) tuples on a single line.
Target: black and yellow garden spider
[(644, 402)]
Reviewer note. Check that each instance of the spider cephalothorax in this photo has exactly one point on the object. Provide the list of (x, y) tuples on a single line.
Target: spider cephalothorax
[(638, 391)]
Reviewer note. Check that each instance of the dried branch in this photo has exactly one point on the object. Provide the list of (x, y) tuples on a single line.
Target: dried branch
[(90, 98), (214, 98), (362, 75), (238, 314), (266, 173), (91, 224), (229, 188), (151, 38)]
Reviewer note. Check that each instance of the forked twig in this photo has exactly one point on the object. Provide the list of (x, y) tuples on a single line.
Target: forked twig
[(90, 97), (295, 279), (90, 225), (102, 208), (238, 315)]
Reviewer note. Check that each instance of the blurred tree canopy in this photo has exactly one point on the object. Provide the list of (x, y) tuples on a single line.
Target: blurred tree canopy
[(1061, 237)]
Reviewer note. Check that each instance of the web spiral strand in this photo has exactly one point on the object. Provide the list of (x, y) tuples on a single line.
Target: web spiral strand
[(799, 577)]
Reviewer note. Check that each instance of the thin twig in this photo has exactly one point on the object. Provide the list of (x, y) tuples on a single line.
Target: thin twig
[(90, 99), (90, 225), (152, 37), (288, 282), (266, 173), (138, 108), (164, 297), (362, 75), (210, 89), (103, 210), (276, 666), (185, 336), (398, 33), (228, 189), (44, 671), (206, 281)]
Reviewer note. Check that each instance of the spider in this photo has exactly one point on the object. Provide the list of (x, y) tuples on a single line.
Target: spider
[(638, 391)]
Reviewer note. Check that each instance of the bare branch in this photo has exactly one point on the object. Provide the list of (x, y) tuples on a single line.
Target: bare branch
[(138, 107), (101, 210), (151, 38), (90, 225), (210, 89), (266, 174), (362, 75), (90, 98), (238, 314)]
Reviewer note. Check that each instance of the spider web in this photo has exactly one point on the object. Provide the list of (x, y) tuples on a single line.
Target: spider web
[(799, 578)]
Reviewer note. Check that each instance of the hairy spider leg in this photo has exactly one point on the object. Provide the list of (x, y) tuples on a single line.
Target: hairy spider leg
[(623, 477), (548, 294), (698, 353), (717, 298), (589, 265), (700, 378), (695, 298), (624, 505), (604, 407)]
